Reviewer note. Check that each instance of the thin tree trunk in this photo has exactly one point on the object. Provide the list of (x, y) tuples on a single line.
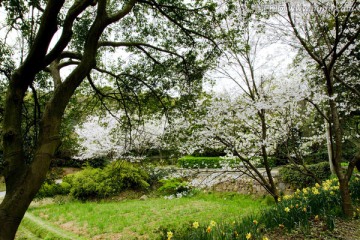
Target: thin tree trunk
[(336, 131), (273, 188), (329, 147)]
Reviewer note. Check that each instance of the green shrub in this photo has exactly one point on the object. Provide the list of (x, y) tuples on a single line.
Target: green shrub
[(156, 174), (127, 175), (85, 184), (355, 189), (300, 180), (317, 157), (206, 162), (174, 186), (99, 162), (100, 183), (209, 152), (53, 189)]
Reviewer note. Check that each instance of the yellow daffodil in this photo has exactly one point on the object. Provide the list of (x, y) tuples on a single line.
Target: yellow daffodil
[(316, 218), (169, 235), (315, 191), (195, 225), (255, 222), (212, 223), (265, 238), (208, 230), (304, 209), (248, 236), (287, 209), (287, 197)]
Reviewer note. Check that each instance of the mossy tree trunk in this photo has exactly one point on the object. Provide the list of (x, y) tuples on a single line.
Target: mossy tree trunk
[(24, 180)]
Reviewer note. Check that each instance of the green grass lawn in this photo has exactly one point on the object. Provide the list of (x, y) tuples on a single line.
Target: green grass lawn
[(140, 219)]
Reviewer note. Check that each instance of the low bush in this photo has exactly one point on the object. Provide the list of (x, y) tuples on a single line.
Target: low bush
[(297, 179), (100, 183), (206, 162), (174, 186), (156, 174), (317, 157), (53, 189), (87, 183)]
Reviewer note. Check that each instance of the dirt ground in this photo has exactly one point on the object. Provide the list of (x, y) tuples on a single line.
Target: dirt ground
[(344, 230)]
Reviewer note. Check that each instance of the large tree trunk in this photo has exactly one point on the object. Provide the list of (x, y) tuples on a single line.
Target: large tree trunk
[(18, 199), (23, 181), (346, 205)]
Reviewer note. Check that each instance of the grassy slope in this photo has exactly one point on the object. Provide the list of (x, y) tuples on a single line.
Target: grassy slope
[(134, 218)]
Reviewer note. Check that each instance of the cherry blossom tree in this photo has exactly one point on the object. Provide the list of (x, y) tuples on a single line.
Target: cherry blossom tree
[(261, 111), (105, 137), (329, 33)]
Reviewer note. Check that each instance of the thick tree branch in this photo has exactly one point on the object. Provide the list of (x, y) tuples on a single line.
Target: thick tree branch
[(48, 26), (137, 44), (72, 55), (123, 12), (68, 63), (75, 10)]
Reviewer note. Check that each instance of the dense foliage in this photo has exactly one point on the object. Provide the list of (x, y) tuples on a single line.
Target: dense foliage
[(298, 178), (92, 183)]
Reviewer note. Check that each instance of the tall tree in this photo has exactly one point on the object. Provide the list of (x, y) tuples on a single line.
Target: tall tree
[(327, 33), (162, 51)]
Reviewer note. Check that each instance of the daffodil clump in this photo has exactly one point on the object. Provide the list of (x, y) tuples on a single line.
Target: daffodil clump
[(248, 228), (318, 203)]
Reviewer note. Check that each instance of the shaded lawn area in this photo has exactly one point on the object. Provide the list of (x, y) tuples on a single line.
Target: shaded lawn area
[(131, 219)]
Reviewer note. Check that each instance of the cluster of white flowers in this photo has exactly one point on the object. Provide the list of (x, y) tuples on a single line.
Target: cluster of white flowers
[(104, 136)]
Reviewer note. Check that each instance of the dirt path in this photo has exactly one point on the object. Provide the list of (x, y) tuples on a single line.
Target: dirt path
[(344, 230)]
